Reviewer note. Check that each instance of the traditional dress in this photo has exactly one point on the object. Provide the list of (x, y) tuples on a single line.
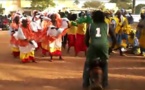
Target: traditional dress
[(54, 41), (14, 43), (36, 28), (26, 44), (80, 35), (117, 25), (56, 44), (44, 37), (72, 34)]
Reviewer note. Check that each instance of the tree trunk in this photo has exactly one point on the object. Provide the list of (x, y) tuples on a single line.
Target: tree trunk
[(133, 7)]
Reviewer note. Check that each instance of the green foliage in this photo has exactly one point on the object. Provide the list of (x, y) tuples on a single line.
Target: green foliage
[(41, 4), (126, 4), (93, 4), (76, 2), (1, 9), (138, 8), (116, 1)]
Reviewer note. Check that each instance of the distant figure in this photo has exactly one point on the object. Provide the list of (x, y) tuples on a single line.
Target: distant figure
[(130, 18)]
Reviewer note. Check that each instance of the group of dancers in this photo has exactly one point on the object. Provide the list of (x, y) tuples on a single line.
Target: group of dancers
[(41, 30), (47, 31)]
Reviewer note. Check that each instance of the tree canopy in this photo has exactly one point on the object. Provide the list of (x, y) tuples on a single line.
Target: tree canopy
[(41, 4), (116, 1), (93, 4), (126, 4), (138, 8), (76, 2), (1, 9)]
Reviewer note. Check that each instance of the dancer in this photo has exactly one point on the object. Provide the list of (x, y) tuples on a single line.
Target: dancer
[(36, 26), (72, 32), (13, 29), (80, 34), (26, 41), (44, 38), (59, 26)]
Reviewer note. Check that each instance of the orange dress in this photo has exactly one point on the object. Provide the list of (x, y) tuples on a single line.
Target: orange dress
[(26, 48), (44, 38), (55, 45), (15, 50), (14, 27), (37, 30), (28, 34)]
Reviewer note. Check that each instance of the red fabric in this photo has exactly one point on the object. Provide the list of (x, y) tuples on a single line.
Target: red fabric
[(16, 54), (71, 40), (28, 34), (80, 44), (55, 53), (25, 60), (31, 58), (44, 51), (14, 26)]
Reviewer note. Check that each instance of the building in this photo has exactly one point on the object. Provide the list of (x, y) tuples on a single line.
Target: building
[(15, 5), (67, 4), (113, 6), (25, 5)]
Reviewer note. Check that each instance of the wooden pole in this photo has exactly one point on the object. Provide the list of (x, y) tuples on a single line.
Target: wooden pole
[(133, 7)]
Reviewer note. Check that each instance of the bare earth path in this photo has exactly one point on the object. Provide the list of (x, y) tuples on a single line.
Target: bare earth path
[(125, 73)]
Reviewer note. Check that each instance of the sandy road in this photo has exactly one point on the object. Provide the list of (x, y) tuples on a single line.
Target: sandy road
[(125, 73)]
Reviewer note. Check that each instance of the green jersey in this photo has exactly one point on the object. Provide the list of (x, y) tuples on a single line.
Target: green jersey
[(99, 34)]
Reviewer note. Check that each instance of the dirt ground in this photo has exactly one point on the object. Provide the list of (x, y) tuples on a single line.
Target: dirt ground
[(125, 73)]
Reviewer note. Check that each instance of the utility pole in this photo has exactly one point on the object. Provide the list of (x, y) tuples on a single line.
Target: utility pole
[(133, 7)]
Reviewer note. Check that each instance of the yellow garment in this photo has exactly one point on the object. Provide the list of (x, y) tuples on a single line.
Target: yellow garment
[(72, 29), (126, 27), (118, 25), (82, 28), (15, 49), (124, 43), (53, 49), (107, 20), (26, 55), (142, 11), (137, 51)]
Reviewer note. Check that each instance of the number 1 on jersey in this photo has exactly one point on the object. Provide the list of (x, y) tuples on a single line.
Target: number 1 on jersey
[(98, 34)]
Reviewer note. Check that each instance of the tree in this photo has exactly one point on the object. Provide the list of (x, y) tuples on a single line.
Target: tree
[(116, 1), (41, 4), (138, 8), (126, 4), (1, 9), (76, 2), (93, 4)]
